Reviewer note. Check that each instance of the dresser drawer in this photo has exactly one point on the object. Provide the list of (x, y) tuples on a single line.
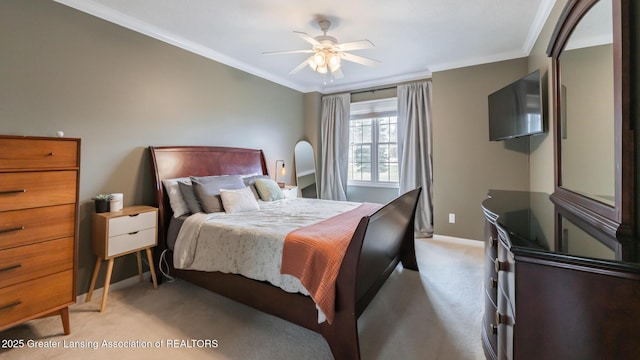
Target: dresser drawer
[(491, 240), (489, 323), (21, 227), (131, 241), (491, 278), (32, 261), (23, 301), (38, 153), (24, 190), (132, 223)]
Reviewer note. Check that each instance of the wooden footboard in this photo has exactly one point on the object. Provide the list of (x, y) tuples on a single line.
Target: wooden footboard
[(379, 243)]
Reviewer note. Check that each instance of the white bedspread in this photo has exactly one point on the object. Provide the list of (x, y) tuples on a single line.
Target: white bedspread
[(250, 243)]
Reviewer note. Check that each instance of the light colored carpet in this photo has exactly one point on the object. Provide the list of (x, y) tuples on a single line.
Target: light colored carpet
[(434, 314)]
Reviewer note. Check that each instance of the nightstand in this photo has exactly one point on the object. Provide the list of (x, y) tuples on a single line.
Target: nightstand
[(119, 233), (290, 191)]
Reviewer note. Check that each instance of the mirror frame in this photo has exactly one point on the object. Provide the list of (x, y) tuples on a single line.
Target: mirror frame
[(616, 221)]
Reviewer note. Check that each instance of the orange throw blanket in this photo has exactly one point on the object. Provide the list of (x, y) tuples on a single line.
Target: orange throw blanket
[(314, 254)]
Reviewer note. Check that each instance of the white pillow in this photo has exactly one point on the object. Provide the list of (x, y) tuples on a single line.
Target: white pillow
[(238, 200), (178, 205)]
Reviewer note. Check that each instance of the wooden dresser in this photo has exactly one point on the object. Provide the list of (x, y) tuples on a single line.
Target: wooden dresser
[(39, 182), (548, 298)]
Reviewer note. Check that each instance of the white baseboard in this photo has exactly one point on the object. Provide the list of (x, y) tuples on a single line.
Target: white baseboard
[(97, 293), (456, 239)]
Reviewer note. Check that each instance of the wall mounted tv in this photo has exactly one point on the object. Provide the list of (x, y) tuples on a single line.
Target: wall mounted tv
[(516, 109)]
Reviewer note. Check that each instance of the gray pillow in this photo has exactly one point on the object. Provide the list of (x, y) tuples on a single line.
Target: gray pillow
[(269, 190), (250, 181), (189, 197), (207, 190)]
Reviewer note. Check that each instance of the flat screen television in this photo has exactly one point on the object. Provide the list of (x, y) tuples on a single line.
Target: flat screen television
[(516, 109)]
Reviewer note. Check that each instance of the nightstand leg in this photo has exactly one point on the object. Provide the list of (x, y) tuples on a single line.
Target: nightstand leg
[(139, 265), (64, 314), (107, 281), (96, 270), (151, 268)]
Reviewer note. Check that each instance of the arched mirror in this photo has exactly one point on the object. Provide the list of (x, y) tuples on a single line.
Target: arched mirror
[(587, 133), (593, 139), (305, 169)]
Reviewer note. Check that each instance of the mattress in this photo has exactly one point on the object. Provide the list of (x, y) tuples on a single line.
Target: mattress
[(250, 243)]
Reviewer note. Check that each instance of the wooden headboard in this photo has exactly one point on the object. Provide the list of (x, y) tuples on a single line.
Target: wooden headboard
[(170, 162)]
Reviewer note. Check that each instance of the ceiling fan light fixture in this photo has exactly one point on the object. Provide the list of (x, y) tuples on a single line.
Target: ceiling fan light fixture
[(319, 58), (326, 53), (334, 63), (334, 59), (312, 64)]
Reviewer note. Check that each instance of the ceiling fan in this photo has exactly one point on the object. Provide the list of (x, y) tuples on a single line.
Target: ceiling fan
[(327, 53)]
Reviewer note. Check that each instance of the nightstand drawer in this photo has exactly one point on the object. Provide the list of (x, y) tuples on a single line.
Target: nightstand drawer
[(114, 234), (24, 190), (38, 153), (132, 223), (129, 242), (25, 300), (33, 261), (21, 227)]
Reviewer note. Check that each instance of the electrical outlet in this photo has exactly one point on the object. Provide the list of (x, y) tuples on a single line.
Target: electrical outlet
[(452, 218)]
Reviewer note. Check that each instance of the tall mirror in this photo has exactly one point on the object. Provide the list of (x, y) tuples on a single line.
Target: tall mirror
[(305, 169), (587, 132), (593, 138)]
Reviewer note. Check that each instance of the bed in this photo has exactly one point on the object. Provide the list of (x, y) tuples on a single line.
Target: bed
[(380, 241)]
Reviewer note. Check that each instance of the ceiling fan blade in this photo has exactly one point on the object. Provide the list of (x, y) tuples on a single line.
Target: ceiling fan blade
[(309, 51), (337, 74), (359, 59), (308, 38), (301, 66), (355, 45)]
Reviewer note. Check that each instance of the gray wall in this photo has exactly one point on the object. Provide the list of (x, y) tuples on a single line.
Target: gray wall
[(120, 91), (465, 163)]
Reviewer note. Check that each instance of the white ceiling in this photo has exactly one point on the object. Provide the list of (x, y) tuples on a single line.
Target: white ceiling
[(412, 38)]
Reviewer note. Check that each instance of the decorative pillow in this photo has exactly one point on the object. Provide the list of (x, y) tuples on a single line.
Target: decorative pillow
[(250, 181), (189, 197), (269, 190), (207, 190), (178, 205), (238, 200)]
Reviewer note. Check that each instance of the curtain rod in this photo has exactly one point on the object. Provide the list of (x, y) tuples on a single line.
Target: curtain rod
[(374, 90)]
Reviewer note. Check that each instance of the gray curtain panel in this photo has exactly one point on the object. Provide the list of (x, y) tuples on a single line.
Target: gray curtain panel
[(335, 146), (414, 149)]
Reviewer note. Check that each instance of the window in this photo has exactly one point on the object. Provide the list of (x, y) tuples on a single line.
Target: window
[(373, 143)]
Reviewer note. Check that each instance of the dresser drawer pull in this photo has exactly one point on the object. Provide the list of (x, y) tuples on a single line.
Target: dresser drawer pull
[(11, 229), (133, 233), (501, 266), (494, 329), (133, 215), (10, 267), (7, 192), (493, 283), (8, 306), (50, 154), (500, 319), (493, 241)]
